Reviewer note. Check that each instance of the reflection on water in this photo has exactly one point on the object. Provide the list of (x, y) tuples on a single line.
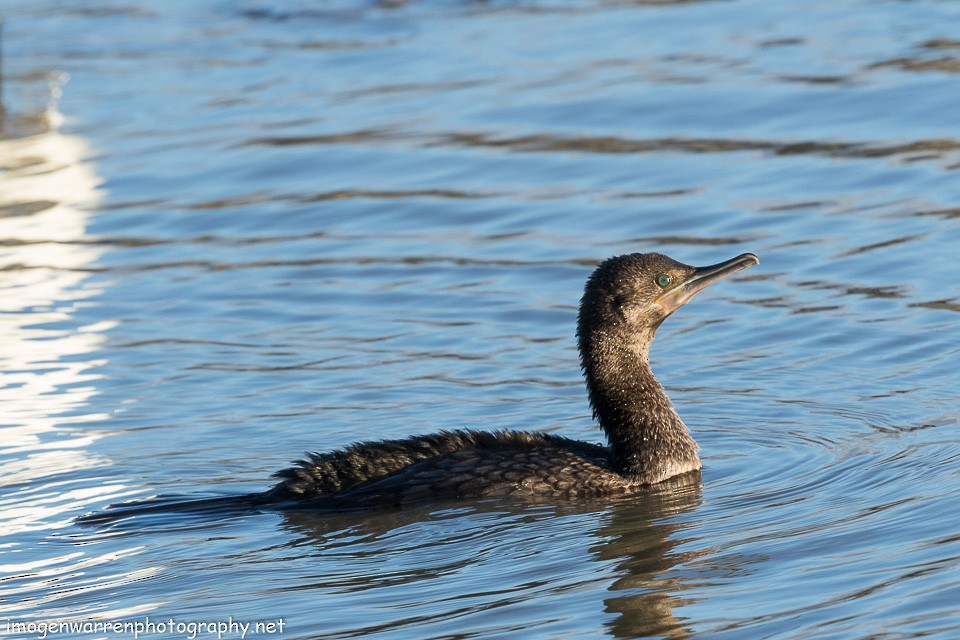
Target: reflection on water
[(47, 191), (630, 550), (47, 383), (643, 539)]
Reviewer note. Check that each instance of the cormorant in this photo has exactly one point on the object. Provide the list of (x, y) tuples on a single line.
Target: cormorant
[(624, 301)]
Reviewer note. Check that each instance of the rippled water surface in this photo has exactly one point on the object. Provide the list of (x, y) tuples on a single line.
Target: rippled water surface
[(231, 232)]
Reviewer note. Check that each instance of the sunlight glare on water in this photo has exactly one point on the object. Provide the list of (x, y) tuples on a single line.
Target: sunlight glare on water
[(231, 232)]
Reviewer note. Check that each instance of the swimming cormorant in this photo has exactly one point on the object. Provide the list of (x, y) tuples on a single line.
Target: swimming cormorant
[(624, 301)]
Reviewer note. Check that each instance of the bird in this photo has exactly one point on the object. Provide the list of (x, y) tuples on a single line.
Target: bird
[(625, 300)]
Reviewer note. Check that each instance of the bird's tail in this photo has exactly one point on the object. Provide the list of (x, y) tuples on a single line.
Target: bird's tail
[(222, 505)]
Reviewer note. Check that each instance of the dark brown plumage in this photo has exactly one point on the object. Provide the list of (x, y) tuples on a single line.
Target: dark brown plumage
[(624, 301)]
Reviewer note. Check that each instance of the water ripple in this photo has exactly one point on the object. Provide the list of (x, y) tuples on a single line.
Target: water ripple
[(545, 142)]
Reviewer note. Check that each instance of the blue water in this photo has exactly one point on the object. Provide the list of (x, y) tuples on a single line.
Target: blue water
[(231, 232)]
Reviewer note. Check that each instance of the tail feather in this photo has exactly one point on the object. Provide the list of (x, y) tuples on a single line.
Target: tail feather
[(173, 504)]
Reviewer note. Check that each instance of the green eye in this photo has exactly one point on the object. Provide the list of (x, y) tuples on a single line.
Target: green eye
[(664, 280)]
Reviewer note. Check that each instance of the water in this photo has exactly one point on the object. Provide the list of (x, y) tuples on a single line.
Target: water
[(231, 232)]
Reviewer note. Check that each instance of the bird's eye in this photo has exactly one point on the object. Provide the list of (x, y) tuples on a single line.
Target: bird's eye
[(663, 280)]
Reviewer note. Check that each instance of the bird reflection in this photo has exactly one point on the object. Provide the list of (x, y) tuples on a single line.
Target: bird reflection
[(636, 535), (642, 536)]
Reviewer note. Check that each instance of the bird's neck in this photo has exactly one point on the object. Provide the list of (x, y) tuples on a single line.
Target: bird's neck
[(648, 439)]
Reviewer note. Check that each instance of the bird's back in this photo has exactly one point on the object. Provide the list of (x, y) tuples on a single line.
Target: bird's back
[(452, 464)]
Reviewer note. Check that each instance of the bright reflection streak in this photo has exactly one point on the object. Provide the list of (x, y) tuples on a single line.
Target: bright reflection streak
[(47, 382), (47, 189)]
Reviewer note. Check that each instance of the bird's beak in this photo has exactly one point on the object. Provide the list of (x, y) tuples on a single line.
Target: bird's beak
[(701, 278)]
